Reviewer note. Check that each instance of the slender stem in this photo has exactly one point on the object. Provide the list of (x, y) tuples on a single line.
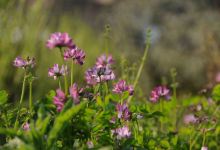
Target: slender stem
[(204, 137), (20, 102), (161, 110), (190, 142), (30, 97), (142, 62), (107, 37), (59, 82), (65, 78), (71, 80)]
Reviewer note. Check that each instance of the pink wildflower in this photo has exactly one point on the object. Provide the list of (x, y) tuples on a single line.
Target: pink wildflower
[(122, 132), (59, 40), (26, 126), (121, 87), (104, 61), (56, 72), (59, 100), (158, 92), (24, 63)]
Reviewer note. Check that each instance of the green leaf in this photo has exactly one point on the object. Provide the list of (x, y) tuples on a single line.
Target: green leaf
[(99, 101), (115, 97), (164, 144), (216, 93), (155, 114), (61, 120), (10, 132), (125, 95), (3, 97)]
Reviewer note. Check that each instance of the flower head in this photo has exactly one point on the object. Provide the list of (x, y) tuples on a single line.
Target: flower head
[(90, 144), (122, 132), (59, 39), (26, 126), (76, 54), (190, 119), (121, 87), (96, 75), (123, 111), (204, 148), (59, 99), (24, 63), (158, 92), (104, 61), (56, 72), (75, 93)]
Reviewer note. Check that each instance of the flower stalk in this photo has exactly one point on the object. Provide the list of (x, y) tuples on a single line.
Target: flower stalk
[(30, 97), (65, 79), (21, 100), (142, 61), (71, 74)]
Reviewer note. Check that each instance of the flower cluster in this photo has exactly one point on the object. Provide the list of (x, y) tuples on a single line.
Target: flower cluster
[(56, 72), (75, 93), (123, 112), (76, 54), (101, 72), (104, 61), (122, 132), (121, 87), (24, 63), (59, 99), (26, 126), (190, 119), (158, 92), (59, 40)]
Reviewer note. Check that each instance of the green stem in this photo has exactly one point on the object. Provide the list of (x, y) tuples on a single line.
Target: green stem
[(204, 137), (20, 102), (107, 37), (71, 80), (142, 62), (30, 97), (65, 79), (161, 110), (190, 142), (59, 82)]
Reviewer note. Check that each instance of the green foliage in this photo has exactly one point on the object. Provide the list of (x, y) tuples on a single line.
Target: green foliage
[(3, 97), (216, 93), (61, 121)]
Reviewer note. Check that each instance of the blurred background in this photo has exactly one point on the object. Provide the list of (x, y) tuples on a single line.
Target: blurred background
[(185, 36)]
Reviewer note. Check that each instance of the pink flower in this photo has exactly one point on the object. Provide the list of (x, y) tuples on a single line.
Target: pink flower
[(76, 54), (59, 40), (56, 72), (26, 126), (24, 63), (104, 61), (122, 132), (204, 148), (59, 99), (90, 144), (123, 111), (158, 92), (97, 75), (190, 119), (121, 87), (75, 93)]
